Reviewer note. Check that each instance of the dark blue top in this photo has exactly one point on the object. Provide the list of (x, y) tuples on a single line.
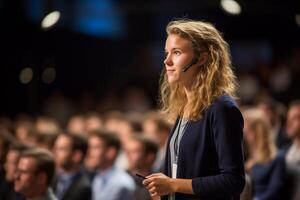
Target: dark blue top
[(211, 153), (269, 178)]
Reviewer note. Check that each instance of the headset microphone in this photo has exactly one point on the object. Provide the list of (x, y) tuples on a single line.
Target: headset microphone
[(194, 61)]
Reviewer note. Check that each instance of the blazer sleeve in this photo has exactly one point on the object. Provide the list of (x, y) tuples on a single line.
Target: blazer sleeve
[(227, 133)]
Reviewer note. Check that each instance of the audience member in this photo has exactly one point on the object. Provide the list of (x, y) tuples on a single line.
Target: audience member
[(275, 112), (10, 166), (293, 130), (71, 183), (93, 121), (141, 153), (265, 166), (155, 127), (76, 124), (34, 174), (110, 183)]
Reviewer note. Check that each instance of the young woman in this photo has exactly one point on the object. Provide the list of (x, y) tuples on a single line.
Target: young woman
[(204, 156), (265, 166)]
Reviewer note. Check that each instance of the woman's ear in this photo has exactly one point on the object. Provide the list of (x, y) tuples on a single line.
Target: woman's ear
[(202, 59)]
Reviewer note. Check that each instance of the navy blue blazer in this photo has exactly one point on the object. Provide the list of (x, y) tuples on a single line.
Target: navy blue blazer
[(211, 153)]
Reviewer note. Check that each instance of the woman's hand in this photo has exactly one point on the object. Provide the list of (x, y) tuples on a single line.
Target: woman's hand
[(156, 198), (159, 184)]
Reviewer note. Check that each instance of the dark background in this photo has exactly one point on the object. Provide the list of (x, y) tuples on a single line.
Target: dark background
[(102, 48)]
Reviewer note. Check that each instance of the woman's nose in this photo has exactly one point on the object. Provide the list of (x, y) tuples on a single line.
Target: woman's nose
[(168, 60)]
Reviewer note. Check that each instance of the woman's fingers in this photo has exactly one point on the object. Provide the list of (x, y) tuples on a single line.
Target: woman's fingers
[(148, 182), (153, 194), (155, 198), (157, 184), (152, 190), (154, 175)]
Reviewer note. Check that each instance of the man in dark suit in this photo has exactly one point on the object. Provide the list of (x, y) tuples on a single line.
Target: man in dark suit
[(13, 155), (71, 183), (35, 170)]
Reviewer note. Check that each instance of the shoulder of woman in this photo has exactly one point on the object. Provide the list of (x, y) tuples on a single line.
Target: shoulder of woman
[(224, 109), (223, 103)]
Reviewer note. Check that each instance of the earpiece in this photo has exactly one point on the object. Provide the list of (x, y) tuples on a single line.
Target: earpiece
[(194, 61)]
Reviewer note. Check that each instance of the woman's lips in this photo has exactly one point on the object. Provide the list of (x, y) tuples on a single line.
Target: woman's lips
[(170, 71)]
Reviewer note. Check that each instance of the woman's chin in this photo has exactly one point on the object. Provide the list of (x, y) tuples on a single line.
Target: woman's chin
[(172, 80)]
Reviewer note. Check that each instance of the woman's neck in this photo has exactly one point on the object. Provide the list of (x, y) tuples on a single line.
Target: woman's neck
[(188, 93)]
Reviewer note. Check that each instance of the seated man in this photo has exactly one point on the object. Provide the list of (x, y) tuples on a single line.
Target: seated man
[(13, 155), (34, 174), (71, 183), (293, 130), (110, 183), (157, 128), (141, 154)]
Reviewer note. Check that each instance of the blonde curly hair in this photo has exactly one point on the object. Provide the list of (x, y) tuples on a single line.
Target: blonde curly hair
[(214, 79), (261, 128)]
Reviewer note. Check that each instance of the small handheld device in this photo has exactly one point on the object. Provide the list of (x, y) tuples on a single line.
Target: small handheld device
[(141, 176)]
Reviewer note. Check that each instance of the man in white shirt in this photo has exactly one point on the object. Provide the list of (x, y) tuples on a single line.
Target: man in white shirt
[(109, 183)]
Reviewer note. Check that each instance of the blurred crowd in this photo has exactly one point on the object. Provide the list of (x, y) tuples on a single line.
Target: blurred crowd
[(96, 155)]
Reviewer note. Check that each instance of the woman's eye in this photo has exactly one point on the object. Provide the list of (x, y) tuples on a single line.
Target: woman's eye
[(177, 53)]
